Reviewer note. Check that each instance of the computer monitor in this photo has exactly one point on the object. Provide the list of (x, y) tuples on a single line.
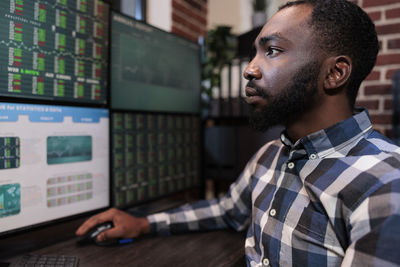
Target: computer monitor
[(154, 155), (155, 103), (54, 50), (153, 70), (54, 163)]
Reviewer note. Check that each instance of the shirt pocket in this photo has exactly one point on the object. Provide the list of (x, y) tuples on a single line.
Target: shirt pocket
[(313, 227)]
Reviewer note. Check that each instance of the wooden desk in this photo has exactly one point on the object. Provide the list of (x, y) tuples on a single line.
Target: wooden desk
[(218, 248)]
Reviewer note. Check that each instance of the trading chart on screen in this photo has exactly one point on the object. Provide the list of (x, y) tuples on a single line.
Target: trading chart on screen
[(54, 49)]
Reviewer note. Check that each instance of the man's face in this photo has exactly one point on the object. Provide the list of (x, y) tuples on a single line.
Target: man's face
[(283, 76), (291, 102)]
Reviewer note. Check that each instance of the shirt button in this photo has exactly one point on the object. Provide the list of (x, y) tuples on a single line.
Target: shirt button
[(265, 262), (313, 156), (290, 165), (272, 212)]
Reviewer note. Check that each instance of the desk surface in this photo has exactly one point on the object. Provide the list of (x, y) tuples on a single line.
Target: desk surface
[(218, 248)]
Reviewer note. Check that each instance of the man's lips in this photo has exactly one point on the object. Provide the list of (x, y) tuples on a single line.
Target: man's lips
[(250, 91), (253, 90), (255, 95)]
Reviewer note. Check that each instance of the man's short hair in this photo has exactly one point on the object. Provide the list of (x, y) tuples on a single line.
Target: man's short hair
[(343, 28)]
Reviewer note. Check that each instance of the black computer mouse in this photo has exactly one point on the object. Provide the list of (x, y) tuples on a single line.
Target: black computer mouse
[(91, 235)]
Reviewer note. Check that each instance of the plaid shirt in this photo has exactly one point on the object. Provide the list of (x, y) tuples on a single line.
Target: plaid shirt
[(330, 199)]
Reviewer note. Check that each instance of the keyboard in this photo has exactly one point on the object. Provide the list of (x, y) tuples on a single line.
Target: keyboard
[(33, 260)]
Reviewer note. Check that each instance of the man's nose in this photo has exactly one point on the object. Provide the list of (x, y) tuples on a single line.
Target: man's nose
[(252, 71)]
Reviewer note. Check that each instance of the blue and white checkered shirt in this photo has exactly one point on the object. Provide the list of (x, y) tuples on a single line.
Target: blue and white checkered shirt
[(330, 199)]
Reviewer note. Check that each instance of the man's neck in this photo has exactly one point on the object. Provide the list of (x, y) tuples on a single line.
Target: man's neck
[(316, 120)]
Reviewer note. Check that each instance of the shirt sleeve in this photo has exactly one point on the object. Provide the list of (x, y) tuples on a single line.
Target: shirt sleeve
[(231, 211), (375, 229)]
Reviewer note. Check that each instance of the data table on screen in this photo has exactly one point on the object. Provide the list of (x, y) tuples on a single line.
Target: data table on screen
[(54, 50)]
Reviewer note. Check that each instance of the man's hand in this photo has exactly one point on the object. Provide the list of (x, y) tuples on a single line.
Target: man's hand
[(125, 225)]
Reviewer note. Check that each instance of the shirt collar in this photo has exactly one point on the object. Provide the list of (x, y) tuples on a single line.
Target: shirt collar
[(333, 138)]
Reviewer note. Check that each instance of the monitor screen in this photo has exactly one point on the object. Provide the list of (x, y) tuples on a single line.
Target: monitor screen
[(54, 163), (54, 49), (152, 70), (153, 155)]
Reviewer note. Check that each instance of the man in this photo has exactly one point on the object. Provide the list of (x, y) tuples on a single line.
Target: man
[(328, 192)]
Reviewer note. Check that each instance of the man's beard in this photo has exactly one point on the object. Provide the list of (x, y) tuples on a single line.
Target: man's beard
[(289, 104)]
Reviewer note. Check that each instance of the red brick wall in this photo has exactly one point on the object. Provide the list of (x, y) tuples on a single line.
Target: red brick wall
[(376, 92), (189, 18)]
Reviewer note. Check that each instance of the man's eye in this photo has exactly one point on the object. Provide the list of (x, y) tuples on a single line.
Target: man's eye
[(272, 52)]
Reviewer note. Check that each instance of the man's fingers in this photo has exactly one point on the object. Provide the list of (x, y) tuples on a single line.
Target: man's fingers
[(93, 221), (112, 233), (90, 223)]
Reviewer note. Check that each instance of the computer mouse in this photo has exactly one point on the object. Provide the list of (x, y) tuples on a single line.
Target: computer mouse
[(91, 236)]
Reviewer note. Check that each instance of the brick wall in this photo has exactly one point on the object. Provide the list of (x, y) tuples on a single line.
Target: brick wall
[(189, 18), (376, 92)]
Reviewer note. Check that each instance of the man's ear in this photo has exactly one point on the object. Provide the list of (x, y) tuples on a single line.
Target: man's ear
[(338, 71)]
